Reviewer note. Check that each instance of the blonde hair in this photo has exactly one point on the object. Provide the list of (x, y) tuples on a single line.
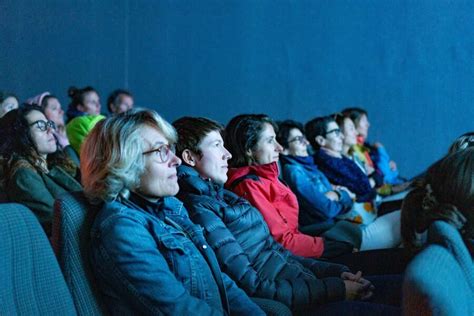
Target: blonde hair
[(112, 161)]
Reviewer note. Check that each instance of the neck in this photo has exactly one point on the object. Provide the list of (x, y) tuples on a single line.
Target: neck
[(332, 153), (148, 198), (345, 149)]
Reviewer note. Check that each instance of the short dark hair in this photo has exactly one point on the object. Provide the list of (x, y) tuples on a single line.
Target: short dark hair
[(317, 127), (114, 97), (355, 114), (284, 129), (191, 131), (242, 134)]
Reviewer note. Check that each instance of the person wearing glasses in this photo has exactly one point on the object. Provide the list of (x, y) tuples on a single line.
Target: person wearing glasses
[(36, 170), (327, 139), (147, 255), (320, 202)]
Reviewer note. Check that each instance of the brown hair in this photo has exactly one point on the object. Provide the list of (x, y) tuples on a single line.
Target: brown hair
[(445, 193)]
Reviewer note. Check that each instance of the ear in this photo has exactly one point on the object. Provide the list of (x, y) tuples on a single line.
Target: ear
[(188, 157), (81, 108), (321, 141)]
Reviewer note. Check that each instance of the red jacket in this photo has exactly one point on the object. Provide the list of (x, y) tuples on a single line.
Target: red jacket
[(278, 205)]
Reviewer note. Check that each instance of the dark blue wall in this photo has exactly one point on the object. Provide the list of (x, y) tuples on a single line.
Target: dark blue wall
[(409, 63)]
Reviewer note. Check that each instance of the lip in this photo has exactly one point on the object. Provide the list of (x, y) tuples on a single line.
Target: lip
[(173, 176)]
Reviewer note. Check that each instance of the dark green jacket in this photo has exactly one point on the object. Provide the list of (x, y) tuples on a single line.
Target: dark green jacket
[(38, 190)]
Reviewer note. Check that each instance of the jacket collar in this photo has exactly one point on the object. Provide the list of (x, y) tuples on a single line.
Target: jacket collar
[(190, 182), (269, 171), (166, 205)]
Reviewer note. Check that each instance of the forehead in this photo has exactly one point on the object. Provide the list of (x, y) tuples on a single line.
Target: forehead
[(53, 101), (125, 98), (332, 125), (10, 100), (91, 94), (348, 122), (152, 136), (294, 132), (267, 131), (211, 137), (34, 116)]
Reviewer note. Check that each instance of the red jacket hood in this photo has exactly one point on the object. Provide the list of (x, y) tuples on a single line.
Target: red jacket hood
[(269, 171)]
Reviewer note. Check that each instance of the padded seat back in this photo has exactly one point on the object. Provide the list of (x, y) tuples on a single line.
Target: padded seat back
[(440, 279), (73, 218), (31, 282)]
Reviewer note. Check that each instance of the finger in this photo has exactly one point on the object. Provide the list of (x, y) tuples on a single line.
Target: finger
[(367, 295)]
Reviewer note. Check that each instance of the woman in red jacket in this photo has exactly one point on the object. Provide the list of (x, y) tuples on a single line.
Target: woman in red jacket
[(254, 175)]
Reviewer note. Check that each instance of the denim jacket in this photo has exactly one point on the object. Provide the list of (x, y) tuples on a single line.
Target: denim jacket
[(158, 262), (310, 185)]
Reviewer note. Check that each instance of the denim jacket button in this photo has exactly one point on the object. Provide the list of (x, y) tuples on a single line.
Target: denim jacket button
[(204, 247)]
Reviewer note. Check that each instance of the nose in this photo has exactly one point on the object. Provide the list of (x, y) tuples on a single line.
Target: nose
[(341, 135), (227, 154), (305, 141), (278, 147), (175, 161)]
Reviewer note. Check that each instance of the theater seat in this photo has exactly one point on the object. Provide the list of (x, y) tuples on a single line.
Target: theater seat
[(73, 217), (440, 279), (31, 282)]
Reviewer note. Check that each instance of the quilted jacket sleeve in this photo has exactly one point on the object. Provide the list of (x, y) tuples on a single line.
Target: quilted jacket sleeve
[(235, 262)]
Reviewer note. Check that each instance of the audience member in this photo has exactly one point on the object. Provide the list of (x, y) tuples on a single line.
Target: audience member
[(119, 101), (374, 156), (444, 193), (8, 102), (84, 101), (319, 201), (37, 171), (462, 142), (78, 129), (254, 174), (147, 255), (327, 140)]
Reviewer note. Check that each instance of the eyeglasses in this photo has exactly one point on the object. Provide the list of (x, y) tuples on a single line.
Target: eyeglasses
[(43, 125), (163, 153), (336, 131), (299, 139)]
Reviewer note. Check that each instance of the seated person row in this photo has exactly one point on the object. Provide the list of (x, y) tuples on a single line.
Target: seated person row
[(147, 255), (375, 157), (36, 170), (253, 176), (332, 156), (238, 233)]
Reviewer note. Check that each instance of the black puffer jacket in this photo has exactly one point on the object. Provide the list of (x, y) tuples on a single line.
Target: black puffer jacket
[(248, 253)]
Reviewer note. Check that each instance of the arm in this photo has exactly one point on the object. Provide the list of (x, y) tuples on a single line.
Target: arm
[(317, 202), (27, 187), (127, 258), (239, 302), (235, 262), (291, 238)]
